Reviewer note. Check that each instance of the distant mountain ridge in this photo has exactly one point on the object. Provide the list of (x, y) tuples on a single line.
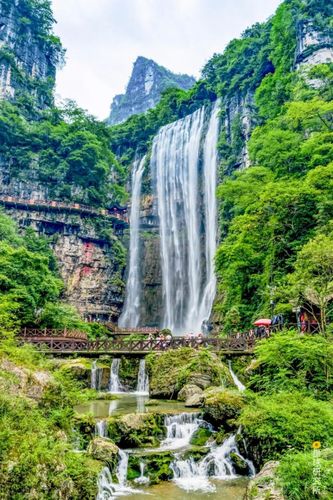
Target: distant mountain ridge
[(148, 80)]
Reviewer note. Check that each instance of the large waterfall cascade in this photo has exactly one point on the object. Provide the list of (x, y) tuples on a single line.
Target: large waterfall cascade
[(131, 314), (143, 379), (96, 376), (184, 164)]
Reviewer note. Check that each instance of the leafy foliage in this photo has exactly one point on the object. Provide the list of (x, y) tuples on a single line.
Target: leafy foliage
[(289, 361)]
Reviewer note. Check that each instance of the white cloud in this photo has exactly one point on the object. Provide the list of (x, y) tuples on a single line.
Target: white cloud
[(104, 37)]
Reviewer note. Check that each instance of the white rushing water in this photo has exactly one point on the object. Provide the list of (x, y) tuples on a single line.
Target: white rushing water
[(107, 489), (96, 376), (101, 428), (209, 177), (143, 379), (142, 479), (115, 385), (188, 278), (217, 464), (130, 316), (180, 429), (241, 387)]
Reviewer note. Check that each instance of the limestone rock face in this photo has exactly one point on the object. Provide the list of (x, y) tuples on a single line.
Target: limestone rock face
[(31, 383), (86, 261), (263, 485), (31, 54), (147, 82), (313, 46)]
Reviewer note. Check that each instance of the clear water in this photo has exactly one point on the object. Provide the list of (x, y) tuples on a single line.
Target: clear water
[(224, 490), (129, 403)]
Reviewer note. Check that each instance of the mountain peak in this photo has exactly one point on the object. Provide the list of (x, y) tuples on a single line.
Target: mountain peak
[(148, 80)]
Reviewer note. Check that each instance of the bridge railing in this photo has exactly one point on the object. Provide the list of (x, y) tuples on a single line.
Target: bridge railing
[(139, 346), (30, 333)]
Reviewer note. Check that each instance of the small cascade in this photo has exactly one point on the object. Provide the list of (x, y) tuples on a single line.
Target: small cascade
[(96, 376), (241, 387), (107, 489), (101, 428), (142, 479), (180, 429), (143, 379), (105, 486), (115, 385), (191, 475)]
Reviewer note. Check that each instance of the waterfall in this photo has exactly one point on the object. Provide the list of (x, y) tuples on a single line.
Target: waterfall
[(188, 278), (107, 489), (241, 387), (115, 385), (210, 174), (131, 314), (191, 475), (101, 428), (105, 485), (96, 376), (180, 429), (142, 479), (143, 379)]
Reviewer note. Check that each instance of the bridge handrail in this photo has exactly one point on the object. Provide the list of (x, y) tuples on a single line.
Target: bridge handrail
[(51, 332), (143, 345)]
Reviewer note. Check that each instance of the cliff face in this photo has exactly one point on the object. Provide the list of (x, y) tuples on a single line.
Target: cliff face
[(89, 263), (29, 52), (147, 82)]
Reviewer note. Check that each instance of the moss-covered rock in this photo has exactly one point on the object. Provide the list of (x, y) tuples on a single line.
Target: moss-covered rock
[(239, 464), (157, 466), (201, 436), (104, 450), (264, 485), (137, 430), (222, 406), (79, 369), (84, 427), (188, 391), (172, 370)]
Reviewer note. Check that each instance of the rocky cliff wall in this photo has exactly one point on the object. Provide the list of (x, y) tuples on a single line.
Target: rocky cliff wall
[(91, 266), (29, 52), (147, 82)]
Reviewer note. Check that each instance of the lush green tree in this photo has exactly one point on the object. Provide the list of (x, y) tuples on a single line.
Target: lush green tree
[(290, 361), (312, 280)]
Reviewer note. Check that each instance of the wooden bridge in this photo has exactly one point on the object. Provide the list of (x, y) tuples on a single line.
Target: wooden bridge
[(73, 343)]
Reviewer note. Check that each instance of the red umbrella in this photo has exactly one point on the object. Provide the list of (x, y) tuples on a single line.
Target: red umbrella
[(263, 322)]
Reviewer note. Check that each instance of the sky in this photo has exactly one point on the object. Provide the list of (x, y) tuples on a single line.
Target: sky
[(104, 37)]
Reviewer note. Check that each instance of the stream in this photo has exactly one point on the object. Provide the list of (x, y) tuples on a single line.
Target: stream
[(211, 475)]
